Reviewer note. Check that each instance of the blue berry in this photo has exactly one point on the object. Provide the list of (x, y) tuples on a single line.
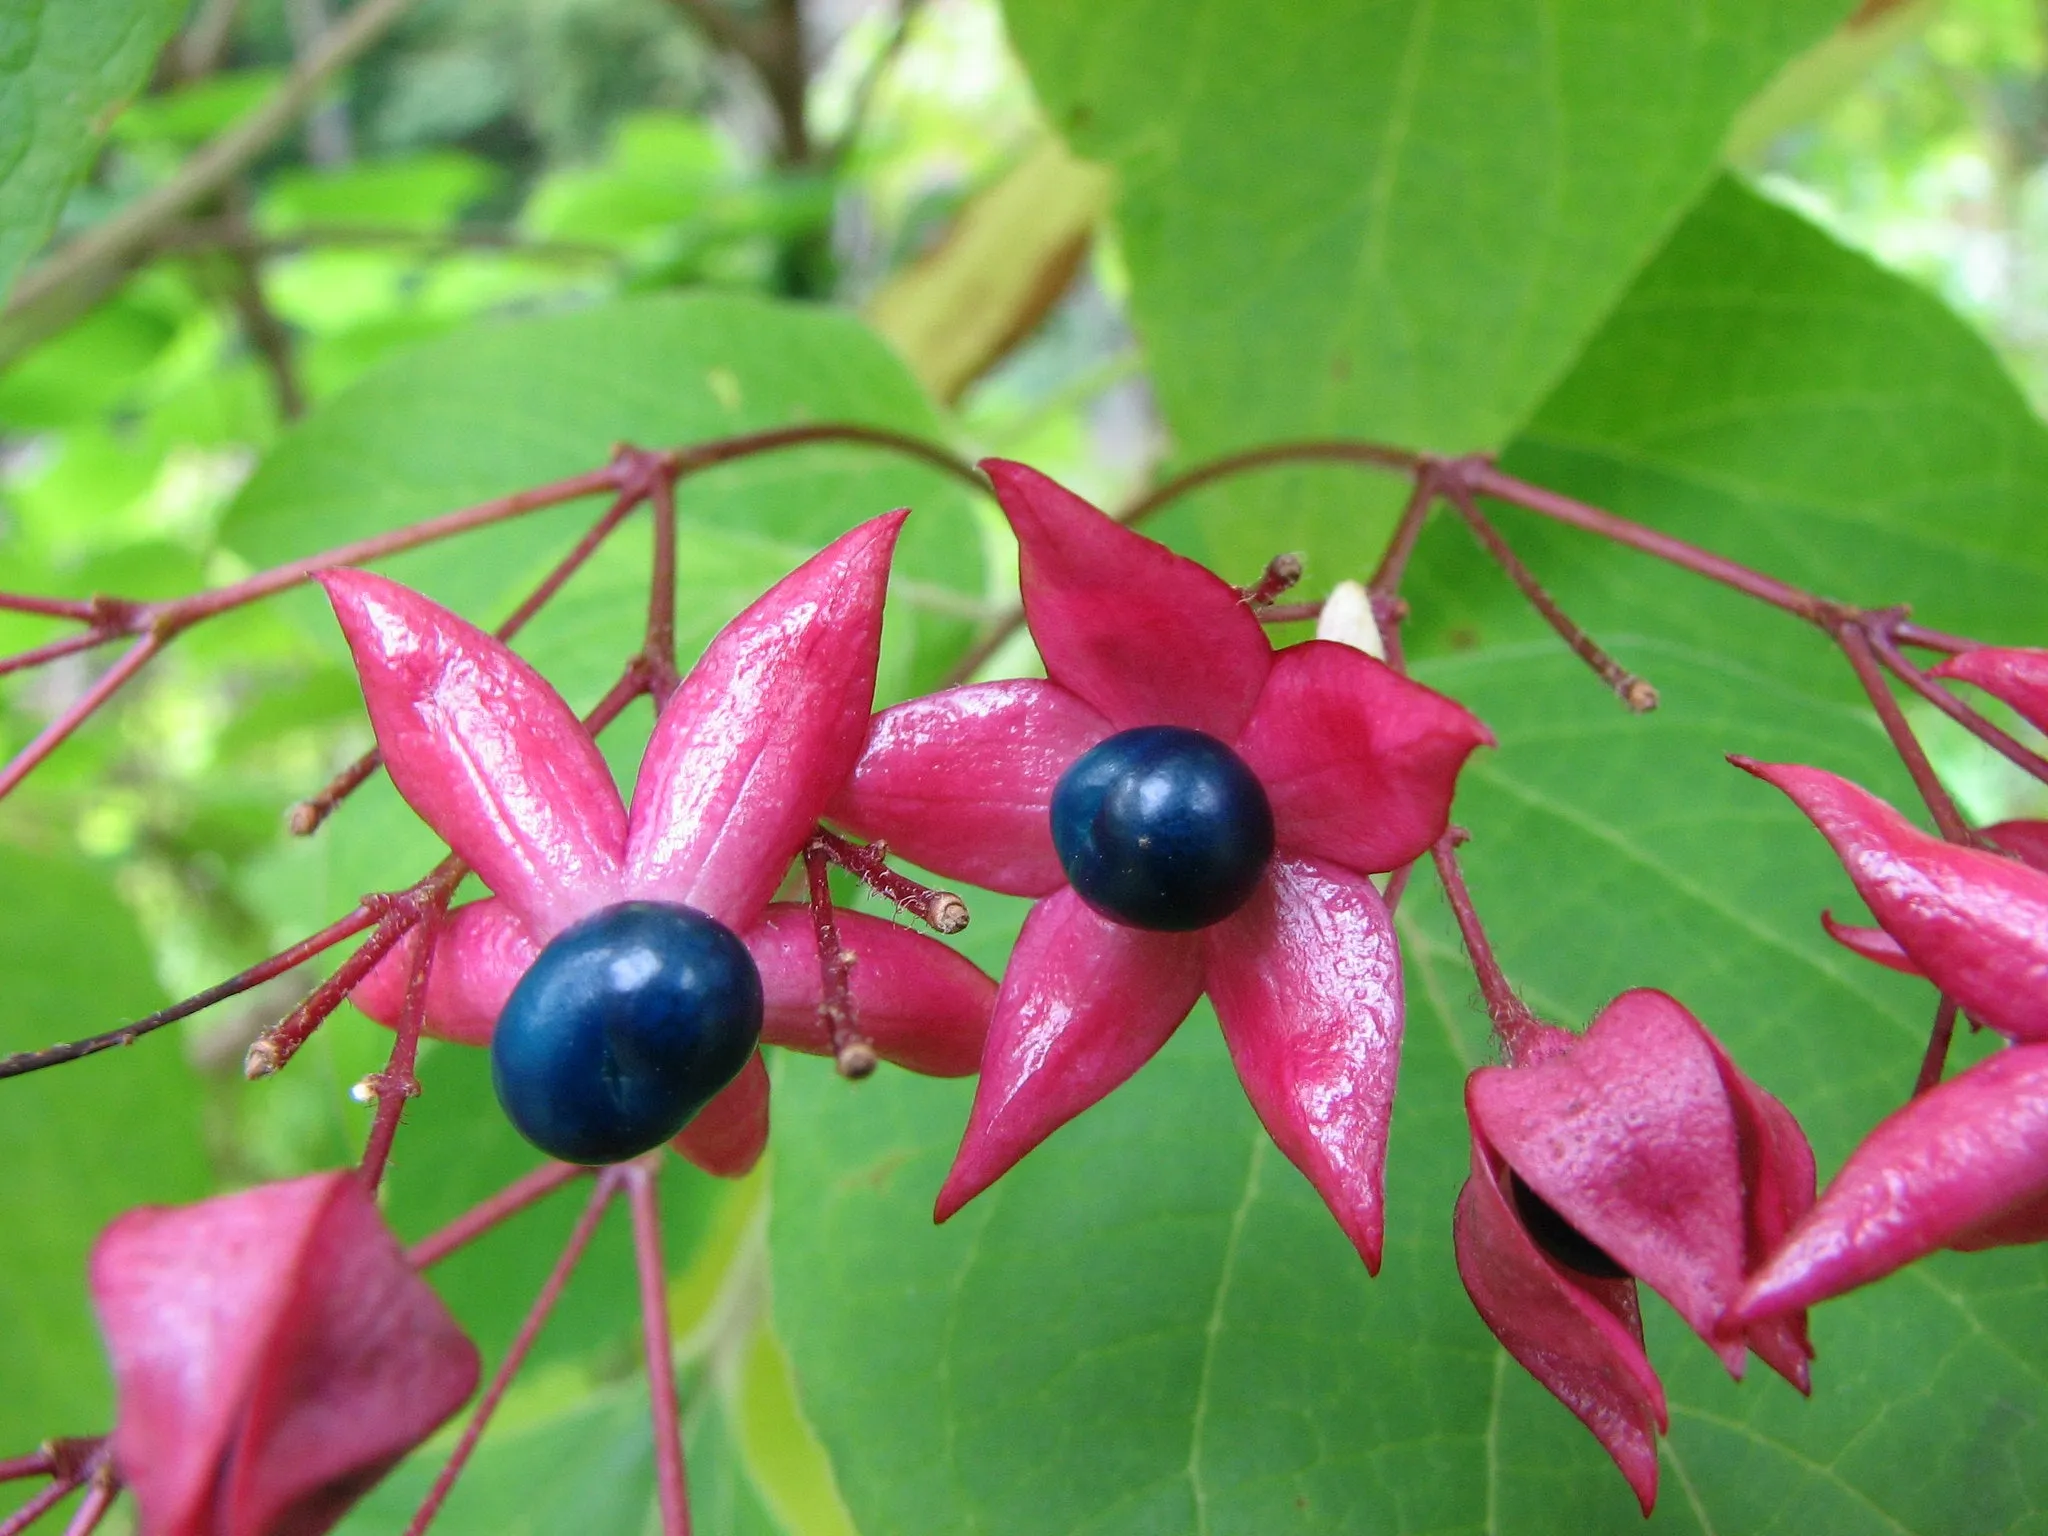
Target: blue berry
[(1162, 828), (626, 1026)]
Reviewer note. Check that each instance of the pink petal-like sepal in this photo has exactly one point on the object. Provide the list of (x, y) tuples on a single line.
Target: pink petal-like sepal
[(1873, 944), (1306, 979), (274, 1355), (762, 734), (920, 1004), (1973, 923), (729, 1134), (1581, 1337), (1951, 1168), (2015, 676), (1146, 636), (961, 781), (485, 751), (1630, 1137), (2026, 841), (1359, 762), (480, 952), (1084, 1003)]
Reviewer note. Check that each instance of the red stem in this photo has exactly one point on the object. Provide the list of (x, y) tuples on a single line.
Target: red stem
[(660, 645), (1513, 1023), (1633, 691), (99, 1497), (1854, 640), (396, 1083), (941, 911), (661, 1370), (277, 965), (1488, 481), (853, 1054), (55, 650), (1977, 725), (82, 609), (308, 814), (508, 1202), (47, 740), (1936, 1058), (35, 1464), (37, 1507), (536, 1317), (1393, 566)]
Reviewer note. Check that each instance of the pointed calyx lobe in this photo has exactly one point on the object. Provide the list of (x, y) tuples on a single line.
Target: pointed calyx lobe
[(1637, 1152), (744, 758), (274, 1355), (1964, 1165), (1341, 767), (2014, 676), (1973, 923)]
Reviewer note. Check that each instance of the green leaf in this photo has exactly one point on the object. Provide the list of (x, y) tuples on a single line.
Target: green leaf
[(81, 1142), (1396, 219), (495, 409), (1152, 1325), (63, 65)]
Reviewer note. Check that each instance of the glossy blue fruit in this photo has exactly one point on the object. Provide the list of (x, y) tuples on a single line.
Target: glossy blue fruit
[(1162, 827), (626, 1026)]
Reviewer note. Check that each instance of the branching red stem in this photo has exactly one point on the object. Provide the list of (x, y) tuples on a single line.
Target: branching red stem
[(1901, 667), (522, 1344), (45, 1500), (51, 736), (397, 1084), (670, 1478), (659, 649), (1393, 566), (1854, 640), (1633, 691), (483, 1217), (941, 911)]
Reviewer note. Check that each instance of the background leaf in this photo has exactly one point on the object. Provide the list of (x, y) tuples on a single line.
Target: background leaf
[(63, 65), (81, 1144), (1153, 1325), (1388, 218)]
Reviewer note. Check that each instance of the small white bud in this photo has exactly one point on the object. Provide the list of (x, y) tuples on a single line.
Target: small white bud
[(1347, 618)]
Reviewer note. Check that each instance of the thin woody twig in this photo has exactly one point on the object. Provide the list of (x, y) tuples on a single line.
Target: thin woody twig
[(397, 1084)]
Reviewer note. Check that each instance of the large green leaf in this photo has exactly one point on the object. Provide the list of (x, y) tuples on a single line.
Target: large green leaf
[(500, 408), (63, 64), (1153, 1326), (1391, 218), (81, 1143)]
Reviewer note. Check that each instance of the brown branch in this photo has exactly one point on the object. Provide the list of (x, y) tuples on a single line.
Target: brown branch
[(852, 1052), (84, 270), (941, 911)]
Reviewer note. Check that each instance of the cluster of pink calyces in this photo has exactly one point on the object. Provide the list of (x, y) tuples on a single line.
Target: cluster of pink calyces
[(1192, 811)]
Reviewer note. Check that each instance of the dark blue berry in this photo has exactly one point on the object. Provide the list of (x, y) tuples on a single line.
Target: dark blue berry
[(1559, 1238), (1162, 828), (626, 1026)]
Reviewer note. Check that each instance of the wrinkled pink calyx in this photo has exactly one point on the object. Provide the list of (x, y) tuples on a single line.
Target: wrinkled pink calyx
[(1358, 763), (274, 1355), (1658, 1156)]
